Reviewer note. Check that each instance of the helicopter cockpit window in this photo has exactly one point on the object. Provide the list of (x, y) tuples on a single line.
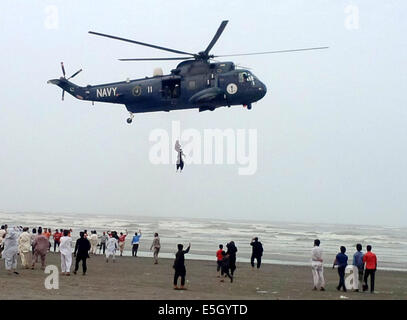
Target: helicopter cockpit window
[(243, 77), (250, 79), (246, 77)]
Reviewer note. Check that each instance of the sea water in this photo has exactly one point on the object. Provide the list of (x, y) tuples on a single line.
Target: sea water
[(283, 242)]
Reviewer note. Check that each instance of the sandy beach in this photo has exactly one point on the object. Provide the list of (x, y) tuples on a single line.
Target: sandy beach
[(138, 278)]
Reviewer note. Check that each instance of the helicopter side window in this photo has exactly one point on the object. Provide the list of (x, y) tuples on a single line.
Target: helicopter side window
[(171, 88)]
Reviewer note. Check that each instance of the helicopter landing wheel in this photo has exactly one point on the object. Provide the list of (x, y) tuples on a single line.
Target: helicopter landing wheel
[(249, 106), (130, 120)]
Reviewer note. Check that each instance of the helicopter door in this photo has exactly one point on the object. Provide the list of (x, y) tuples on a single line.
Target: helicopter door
[(171, 89), (211, 81)]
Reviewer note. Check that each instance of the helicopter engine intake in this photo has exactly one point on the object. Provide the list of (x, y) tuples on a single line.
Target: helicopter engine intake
[(157, 72)]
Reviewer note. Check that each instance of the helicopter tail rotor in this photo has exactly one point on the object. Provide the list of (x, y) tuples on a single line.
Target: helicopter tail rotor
[(75, 74), (63, 72), (63, 69), (64, 77)]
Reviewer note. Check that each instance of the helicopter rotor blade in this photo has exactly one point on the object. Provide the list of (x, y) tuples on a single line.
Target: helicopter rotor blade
[(141, 43), (63, 69), (243, 67), (75, 74), (268, 52), (216, 36), (155, 59)]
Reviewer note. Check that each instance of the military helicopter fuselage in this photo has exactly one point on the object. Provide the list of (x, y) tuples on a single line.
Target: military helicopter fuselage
[(195, 83)]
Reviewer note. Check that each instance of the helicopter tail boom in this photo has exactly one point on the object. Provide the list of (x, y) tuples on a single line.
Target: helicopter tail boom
[(68, 86), (64, 84)]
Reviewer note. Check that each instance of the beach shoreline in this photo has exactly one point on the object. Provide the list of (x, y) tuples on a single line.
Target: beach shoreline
[(132, 278), (203, 257)]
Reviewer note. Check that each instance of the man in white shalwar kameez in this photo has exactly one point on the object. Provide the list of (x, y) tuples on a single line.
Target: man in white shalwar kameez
[(10, 251), (317, 266), (93, 239), (65, 248), (24, 248), (111, 247), (2, 233)]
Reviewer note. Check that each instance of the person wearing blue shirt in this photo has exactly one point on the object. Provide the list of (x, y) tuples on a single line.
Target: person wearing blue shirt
[(358, 267), (341, 261), (135, 243)]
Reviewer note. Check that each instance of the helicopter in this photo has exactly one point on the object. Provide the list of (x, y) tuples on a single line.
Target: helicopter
[(197, 82)]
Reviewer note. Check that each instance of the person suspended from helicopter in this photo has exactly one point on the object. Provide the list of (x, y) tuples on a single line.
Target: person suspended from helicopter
[(180, 161)]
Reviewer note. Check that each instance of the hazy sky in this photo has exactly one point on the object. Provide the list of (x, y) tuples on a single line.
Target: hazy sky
[(332, 129)]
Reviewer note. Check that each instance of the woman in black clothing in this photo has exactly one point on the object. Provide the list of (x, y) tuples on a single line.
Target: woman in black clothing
[(232, 256), (225, 265)]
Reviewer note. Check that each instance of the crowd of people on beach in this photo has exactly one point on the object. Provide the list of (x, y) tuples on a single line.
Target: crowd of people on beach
[(33, 246)]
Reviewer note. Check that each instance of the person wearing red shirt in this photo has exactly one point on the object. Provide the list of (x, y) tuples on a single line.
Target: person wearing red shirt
[(219, 257), (57, 236), (370, 261), (122, 241)]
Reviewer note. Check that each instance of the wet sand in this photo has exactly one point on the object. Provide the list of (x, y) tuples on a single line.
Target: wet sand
[(138, 278)]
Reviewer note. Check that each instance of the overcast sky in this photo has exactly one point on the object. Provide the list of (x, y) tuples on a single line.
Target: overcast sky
[(332, 129)]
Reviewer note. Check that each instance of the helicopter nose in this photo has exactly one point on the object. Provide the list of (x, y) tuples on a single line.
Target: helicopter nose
[(262, 90)]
